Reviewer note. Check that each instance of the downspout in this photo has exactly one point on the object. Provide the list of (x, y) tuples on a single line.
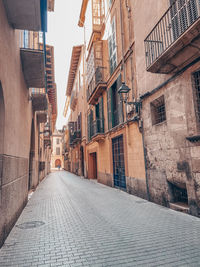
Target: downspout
[(122, 41), (134, 96), (45, 59), (145, 159), (123, 55), (129, 33)]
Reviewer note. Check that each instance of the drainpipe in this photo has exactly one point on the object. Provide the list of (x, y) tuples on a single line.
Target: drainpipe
[(129, 34), (122, 41), (145, 158)]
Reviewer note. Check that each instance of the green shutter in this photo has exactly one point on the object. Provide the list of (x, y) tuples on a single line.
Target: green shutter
[(119, 102), (101, 114), (110, 108), (91, 124)]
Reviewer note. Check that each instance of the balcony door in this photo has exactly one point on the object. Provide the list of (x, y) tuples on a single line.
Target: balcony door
[(183, 14), (118, 162)]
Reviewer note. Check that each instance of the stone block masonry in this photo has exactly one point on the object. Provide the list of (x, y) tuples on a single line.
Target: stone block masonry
[(14, 179)]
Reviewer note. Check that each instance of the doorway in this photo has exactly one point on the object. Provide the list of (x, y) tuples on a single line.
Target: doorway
[(58, 163), (118, 162), (92, 166)]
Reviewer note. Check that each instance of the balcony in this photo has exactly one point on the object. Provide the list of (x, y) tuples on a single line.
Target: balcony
[(39, 99), (32, 58), (174, 42), (75, 137), (26, 15), (47, 141), (42, 116), (97, 130), (96, 86)]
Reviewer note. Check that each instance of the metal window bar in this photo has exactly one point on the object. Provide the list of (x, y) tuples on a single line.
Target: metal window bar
[(160, 114), (176, 20), (97, 127), (196, 77)]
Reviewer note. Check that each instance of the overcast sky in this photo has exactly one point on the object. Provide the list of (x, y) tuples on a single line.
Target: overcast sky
[(63, 34)]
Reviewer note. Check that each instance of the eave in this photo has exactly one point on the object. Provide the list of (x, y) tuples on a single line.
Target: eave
[(82, 13), (76, 53)]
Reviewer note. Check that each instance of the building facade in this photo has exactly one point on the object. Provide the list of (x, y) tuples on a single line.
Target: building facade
[(25, 107), (57, 159), (145, 140), (76, 100)]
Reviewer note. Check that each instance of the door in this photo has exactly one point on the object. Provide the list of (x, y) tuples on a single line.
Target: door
[(118, 162), (92, 166)]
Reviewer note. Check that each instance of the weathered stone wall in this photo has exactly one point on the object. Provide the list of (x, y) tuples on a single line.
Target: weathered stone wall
[(13, 194), (170, 157)]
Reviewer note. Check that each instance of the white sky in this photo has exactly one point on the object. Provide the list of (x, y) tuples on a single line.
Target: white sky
[(63, 34)]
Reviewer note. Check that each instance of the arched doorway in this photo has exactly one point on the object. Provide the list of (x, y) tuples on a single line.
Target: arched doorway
[(58, 163), (2, 121)]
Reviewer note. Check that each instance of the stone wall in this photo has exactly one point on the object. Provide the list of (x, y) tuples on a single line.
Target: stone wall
[(171, 158), (13, 191)]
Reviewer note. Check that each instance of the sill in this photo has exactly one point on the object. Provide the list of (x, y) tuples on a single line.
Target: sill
[(160, 123)]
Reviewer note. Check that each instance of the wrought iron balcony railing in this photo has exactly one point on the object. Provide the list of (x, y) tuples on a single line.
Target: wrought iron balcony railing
[(98, 78), (176, 20), (97, 127), (75, 137)]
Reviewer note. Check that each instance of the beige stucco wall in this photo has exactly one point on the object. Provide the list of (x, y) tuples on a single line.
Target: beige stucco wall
[(18, 115), (144, 19)]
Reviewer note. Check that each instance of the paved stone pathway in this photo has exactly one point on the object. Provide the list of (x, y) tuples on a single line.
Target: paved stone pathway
[(70, 221)]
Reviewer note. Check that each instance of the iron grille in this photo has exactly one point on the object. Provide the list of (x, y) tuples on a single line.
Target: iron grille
[(158, 112), (196, 77), (177, 19)]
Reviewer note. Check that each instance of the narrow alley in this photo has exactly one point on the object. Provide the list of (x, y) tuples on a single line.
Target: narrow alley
[(70, 221)]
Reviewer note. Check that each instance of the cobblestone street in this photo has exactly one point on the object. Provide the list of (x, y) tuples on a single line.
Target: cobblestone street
[(70, 221)]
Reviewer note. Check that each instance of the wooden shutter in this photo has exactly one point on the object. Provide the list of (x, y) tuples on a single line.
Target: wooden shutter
[(110, 108), (101, 114), (119, 102)]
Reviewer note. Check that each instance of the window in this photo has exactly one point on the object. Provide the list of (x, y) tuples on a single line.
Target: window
[(57, 151), (115, 105), (99, 112), (196, 86), (57, 141), (158, 113), (26, 39), (112, 47)]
